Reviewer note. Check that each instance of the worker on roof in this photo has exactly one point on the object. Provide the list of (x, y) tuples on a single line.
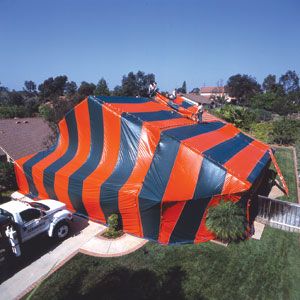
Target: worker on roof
[(199, 112), (173, 95), (152, 89)]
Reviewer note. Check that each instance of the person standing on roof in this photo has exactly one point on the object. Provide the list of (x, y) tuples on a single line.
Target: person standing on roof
[(199, 112), (173, 95), (152, 89)]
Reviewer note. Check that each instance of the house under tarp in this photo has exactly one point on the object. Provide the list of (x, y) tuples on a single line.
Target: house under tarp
[(148, 161)]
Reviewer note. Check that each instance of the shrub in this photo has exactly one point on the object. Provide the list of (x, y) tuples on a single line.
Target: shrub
[(7, 176), (114, 229), (262, 131), (239, 116), (227, 221), (285, 131), (8, 112)]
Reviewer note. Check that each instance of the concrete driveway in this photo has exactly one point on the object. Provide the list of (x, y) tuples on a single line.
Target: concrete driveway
[(41, 256)]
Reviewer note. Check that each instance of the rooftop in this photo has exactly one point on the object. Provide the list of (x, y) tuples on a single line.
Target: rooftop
[(24, 136), (197, 98), (212, 89)]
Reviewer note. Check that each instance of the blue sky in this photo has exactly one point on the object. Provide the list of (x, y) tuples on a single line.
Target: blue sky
[(197, 41)]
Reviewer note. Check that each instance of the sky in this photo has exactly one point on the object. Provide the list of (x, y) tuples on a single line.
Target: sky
[(198, 41)]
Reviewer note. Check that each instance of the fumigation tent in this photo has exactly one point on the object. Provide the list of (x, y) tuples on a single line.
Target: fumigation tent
[(149, 162)]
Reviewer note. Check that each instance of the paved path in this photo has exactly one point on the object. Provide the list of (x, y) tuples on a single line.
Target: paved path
[(98, 246), (24, 280)]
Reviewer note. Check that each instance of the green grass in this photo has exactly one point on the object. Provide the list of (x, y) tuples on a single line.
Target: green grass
[(285, 160), (266, 269)]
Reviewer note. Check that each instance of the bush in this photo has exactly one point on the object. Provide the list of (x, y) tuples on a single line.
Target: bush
[(8, 112), (285, 131), (239, 116), (7, 176), (227, 221), (114, 229), (262, 131)]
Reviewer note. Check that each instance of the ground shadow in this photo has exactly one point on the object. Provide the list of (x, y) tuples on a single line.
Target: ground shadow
[(36, 248), (143, 284)]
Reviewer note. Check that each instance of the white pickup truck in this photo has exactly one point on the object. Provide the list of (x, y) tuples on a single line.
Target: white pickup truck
[(31, 218)]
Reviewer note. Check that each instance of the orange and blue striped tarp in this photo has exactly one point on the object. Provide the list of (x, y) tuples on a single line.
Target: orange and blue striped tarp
[(146, 161)]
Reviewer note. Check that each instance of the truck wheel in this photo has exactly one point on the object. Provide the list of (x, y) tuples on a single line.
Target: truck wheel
[(61, 230)]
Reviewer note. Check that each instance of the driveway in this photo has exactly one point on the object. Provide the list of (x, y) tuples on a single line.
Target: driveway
[(41, 256)]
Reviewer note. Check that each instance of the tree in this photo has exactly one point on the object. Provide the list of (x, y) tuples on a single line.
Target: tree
[(266, 101), (117, 91), (289, 81), (53, 87), (102, 88), (70, 88), (136, 84), (269, 84), (3, 88), (15, 98), (86, 89), (182, 89), (227, 221), (195, 91), (242, 87), (29, 87)]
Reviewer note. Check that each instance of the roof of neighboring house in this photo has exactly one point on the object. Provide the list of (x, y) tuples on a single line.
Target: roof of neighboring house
[(212, 89), (198, 98), (20, 137)]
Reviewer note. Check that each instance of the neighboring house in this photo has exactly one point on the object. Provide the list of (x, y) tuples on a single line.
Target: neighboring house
[(20, 137), (195, 98), (212, 92)]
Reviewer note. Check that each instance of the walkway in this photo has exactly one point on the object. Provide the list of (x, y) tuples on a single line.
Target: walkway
[(101, 247)]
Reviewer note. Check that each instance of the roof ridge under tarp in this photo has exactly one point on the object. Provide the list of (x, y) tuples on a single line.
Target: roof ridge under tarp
[(232, 173)]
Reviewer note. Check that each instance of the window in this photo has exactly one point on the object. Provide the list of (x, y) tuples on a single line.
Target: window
[(30, 214), (40, 206)]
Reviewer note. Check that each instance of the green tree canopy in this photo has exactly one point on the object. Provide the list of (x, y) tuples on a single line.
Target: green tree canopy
[(86, 89), (289, 81), (15, 98), (29, 86), (242, 87), (102, 88), (268, 101), (70, 88), (136, 84), (270, 85), (53, 87), (182, 89)]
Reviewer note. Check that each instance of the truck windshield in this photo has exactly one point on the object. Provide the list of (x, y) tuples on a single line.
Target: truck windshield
[(39, 206)]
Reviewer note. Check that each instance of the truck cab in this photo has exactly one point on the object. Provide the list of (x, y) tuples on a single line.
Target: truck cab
[(31, 218)]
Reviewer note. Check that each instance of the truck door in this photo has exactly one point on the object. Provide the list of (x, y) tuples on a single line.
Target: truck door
[(34, 222)]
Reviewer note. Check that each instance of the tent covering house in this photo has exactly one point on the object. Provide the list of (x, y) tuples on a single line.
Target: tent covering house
[(148, 162)]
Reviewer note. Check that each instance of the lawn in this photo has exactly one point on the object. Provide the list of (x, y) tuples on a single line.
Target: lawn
[(265, 269), (285, 159)]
